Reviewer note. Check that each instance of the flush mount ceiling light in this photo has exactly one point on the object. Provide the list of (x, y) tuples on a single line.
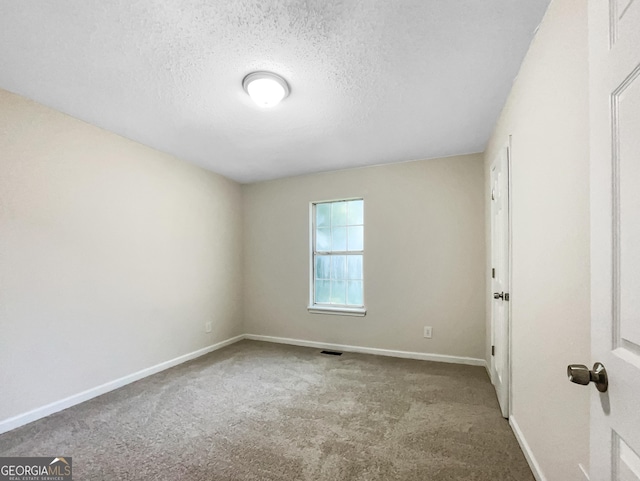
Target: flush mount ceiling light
[(265, 88)]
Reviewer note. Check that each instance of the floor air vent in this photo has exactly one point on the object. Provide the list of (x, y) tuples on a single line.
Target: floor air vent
[(331, 353)]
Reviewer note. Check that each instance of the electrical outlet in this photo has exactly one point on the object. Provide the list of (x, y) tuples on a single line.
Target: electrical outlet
[(428, 332), (208, 326)]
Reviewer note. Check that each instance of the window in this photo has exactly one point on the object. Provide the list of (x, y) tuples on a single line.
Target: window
[(337, 257)]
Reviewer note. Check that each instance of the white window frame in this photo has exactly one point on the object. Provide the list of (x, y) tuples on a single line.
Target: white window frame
[(341, 310)]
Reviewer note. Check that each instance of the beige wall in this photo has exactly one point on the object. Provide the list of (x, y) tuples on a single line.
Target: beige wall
[(424, 257), (112, 256), (547, 114)]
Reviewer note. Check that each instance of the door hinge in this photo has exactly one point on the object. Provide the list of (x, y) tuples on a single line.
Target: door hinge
[(506, 296), (493, 273), (493, 350)]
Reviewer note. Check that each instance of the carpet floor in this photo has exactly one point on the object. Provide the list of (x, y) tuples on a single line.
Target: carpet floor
[(260, 411)]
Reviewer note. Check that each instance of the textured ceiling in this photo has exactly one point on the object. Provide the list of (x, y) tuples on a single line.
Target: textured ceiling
[(372, 81)]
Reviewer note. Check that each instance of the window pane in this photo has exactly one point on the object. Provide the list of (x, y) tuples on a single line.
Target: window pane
[(355, 212), (354, 294), (354, 267), (356, 240), (338, 213), (323, 240), (323, 266), (338, 267), (339, 227), (323, 291), (338, 292), (323, 215), (339, 239)]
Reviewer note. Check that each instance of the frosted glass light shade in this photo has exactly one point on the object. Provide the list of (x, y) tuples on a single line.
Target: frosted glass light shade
[(266, 89)]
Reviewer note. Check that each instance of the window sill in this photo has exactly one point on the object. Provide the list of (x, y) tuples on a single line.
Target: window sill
[(340, 311)]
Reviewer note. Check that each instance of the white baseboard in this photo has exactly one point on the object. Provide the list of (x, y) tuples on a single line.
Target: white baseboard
[(528, 454), (371, 350), (583, 470), (487, 367), (41, 412)]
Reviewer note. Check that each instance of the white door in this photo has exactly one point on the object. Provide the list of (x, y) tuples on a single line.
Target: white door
[(500, 278), (614, 38)]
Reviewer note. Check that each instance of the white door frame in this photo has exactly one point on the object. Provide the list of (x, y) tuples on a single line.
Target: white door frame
[(506, 167)]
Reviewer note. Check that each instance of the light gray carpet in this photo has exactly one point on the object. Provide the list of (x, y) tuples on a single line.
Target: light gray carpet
[(259, 411)]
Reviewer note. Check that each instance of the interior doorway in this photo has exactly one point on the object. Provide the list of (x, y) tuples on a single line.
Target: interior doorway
[(500, 276)]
